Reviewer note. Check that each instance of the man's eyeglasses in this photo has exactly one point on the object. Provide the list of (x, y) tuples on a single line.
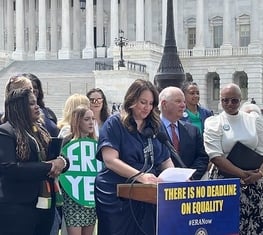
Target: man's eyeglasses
[(232, 100), (96, 100)]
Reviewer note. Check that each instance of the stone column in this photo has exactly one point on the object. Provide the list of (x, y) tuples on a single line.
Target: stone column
[(148, 22), (123, 17), (226, 48), (31, 29), (42, 53), (199, 49), (99, 23), (76, 29), (2, 36), (140, 20), (179, 24), (164, 14), (255, 46), (10, 26), (89, 51), (100, 47), (114, 25), (65, 52), (54, 29), (19, 53)]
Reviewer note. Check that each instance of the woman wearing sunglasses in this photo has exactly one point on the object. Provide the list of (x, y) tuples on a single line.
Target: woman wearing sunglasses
[(99, 106), (220, 135)]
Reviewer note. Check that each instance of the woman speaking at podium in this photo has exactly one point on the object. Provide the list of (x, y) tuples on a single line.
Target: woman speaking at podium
[(125, 149)]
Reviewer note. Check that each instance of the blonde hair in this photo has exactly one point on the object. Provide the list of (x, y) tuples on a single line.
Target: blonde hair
[(77, 115), (15, 82), (71, 103), (251, 108)]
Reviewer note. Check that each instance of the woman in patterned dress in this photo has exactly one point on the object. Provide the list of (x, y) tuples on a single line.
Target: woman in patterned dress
[(80, 220), (220, 135)]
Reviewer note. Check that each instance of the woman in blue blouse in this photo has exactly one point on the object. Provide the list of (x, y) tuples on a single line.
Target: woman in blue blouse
[(121, 146)]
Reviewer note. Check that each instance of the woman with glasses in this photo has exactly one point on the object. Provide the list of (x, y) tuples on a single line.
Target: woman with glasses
[(99, 106), (220, 135), (194, 113)]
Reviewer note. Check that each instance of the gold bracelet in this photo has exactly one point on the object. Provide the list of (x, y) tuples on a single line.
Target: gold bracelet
[(260, 172)]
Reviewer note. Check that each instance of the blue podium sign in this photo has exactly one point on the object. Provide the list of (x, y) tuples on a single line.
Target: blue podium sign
[(198, 207)]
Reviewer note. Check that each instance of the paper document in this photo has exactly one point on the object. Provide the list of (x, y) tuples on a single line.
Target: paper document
[(176, 174)]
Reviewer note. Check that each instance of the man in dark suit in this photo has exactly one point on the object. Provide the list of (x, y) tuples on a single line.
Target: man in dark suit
[(185, 137)]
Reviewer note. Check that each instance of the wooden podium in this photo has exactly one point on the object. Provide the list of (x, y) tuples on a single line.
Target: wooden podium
[(138, 192)]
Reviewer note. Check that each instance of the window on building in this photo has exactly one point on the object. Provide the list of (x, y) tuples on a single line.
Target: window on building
[(191, 37), (243, 84), (243, 30), (216, 27), (218, 35), (216, 87), (244, 35), (240, 78)]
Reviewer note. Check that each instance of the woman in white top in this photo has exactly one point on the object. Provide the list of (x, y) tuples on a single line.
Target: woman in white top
[(220, 135)]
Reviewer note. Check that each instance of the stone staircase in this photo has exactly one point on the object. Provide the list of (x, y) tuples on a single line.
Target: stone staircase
[(60, 78)]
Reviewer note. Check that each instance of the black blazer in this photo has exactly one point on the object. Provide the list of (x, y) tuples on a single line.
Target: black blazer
[(192, 151), (19, 180)]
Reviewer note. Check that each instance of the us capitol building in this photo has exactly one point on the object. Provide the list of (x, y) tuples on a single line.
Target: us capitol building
[(74, 45)]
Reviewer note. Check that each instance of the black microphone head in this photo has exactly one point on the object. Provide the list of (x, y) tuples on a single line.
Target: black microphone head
[(148, 132), (162, 137)]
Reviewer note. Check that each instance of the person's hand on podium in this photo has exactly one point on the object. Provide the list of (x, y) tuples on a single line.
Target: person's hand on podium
[(148, 178)]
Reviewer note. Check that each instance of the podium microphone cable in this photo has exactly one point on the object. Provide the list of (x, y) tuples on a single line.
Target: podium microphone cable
[(148, 155)]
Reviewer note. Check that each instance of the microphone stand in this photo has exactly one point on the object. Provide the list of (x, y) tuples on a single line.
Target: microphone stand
[(142, 170), (148, 155), (151, 154)]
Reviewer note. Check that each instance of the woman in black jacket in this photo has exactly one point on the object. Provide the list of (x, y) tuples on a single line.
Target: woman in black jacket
[(27, 190)]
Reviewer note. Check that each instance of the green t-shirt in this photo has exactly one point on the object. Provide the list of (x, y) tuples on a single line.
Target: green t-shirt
[(195, 120)]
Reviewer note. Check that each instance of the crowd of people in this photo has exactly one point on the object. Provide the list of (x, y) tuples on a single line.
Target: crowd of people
[(128, 150)]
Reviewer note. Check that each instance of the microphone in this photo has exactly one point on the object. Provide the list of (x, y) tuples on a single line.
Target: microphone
[(162, 137), (148, 150), (148, 133)]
